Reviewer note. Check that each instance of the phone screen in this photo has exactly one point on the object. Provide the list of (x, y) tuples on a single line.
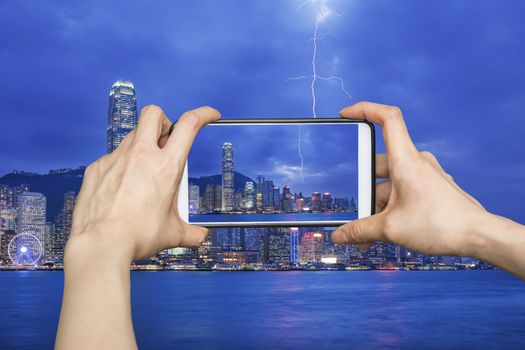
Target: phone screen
[(240, 173)]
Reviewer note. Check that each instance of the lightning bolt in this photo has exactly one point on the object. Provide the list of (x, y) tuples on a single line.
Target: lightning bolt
[(320, 16)]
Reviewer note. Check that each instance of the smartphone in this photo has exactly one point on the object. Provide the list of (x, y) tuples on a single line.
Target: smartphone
[(279, 172)]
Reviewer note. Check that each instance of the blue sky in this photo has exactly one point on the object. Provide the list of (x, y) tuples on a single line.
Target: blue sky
[(454, 67)]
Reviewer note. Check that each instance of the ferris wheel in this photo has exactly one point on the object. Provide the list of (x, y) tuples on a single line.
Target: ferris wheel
[(25, 249)]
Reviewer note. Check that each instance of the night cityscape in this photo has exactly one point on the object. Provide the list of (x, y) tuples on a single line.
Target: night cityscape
[(30, 239), (262, 196)]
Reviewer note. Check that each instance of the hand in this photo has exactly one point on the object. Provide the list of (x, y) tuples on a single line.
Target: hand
[(128, 199), (418, 206)]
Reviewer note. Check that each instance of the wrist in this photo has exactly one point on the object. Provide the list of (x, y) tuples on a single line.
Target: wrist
[(493, 238), (94, 250)]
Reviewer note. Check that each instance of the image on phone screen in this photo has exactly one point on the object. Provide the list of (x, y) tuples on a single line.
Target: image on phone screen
[(274, 173)]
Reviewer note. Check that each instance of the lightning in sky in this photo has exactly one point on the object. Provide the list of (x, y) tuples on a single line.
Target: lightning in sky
[(323, 12)]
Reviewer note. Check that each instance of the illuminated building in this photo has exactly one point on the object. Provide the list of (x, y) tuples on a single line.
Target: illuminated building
[(8, 218), (227, 177), (204, 252), (193, 200), (259, 201), (212, 198), (249, 197), (32, 215), (275, 246), (228, 238), (267, 194), (300, 202), (122, 113), (315, 201), (311, 247), (237, 201), (294, 245), (7, 197), (286, 204), (341, 204), (5, 237), (252, 239), (326, 202)]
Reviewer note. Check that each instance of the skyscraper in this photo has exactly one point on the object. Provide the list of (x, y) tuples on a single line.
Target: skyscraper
[(249, 197), (294, 245), (67, 215), (286, 203), (212, 200), (7, 197), (312, 247), (122, 113), (267, 193), (227, 177), (316, 201), (32, 214), (326, 202), (275, 246), (193, 203)]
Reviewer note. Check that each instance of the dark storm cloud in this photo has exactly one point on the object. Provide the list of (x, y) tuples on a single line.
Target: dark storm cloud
[(455, 68)]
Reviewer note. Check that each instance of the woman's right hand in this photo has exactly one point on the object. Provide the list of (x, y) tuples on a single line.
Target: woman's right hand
[(418, 205)]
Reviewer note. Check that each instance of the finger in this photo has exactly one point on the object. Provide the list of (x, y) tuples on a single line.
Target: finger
[(185, 130), (165, 133), (383, 190), (362, 231), (395, 133), (193, 236), (382, 166), (151, 122)]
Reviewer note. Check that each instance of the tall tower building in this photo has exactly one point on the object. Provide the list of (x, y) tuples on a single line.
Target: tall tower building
[(122, 113), (67, 217), (249, 197), (294, 245), (32, 214), (227, 177)]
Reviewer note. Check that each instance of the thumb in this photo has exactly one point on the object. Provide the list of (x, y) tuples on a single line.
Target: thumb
[(363, 231)]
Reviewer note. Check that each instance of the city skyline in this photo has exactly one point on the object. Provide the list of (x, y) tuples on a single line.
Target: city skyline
[(272, 151), (261, 196), (27, 238)]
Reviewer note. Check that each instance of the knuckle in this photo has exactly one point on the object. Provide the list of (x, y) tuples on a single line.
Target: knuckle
[(151, 109), (189, 119), (90, 170), (394, 112)]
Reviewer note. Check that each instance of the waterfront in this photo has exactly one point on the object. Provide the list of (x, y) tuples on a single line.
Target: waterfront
[(289, 310)]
